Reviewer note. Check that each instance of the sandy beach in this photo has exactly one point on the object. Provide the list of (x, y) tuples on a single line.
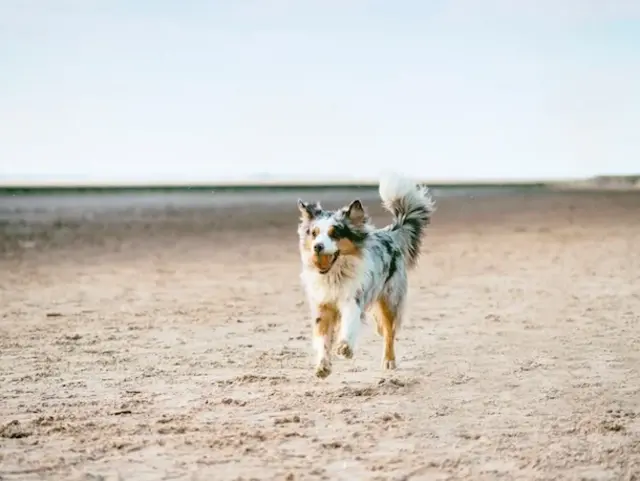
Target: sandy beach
[(165, 336)]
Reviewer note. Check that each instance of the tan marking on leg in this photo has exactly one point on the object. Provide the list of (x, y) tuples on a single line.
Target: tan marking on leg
[(326, 320), (387, 324), (323, 333)]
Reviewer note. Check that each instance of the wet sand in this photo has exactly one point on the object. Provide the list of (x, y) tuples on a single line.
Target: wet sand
[(167, 338)]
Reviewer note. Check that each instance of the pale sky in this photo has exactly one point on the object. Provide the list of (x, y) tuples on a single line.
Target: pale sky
[(204, 90)]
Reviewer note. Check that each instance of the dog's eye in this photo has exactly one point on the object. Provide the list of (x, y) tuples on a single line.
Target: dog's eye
[(334, 232)]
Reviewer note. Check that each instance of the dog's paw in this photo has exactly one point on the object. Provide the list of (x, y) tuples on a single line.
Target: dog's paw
[(343, 349), (323, 369), (388, 364)]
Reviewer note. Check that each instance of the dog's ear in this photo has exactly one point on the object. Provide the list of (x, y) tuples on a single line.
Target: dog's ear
[(308, 211), (355, 213)]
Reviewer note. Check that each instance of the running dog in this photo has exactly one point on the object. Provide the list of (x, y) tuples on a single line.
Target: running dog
[(350, 267)]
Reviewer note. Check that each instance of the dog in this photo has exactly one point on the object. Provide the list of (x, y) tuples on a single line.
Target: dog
[(350, 267)]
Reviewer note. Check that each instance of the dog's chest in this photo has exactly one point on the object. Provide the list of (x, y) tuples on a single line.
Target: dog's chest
[(329, 288)]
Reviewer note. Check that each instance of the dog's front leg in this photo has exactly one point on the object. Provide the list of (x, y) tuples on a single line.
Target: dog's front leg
[(351, 318), (324, 322)]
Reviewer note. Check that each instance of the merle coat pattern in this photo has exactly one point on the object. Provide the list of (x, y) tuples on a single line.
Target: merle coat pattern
[(350, 267)]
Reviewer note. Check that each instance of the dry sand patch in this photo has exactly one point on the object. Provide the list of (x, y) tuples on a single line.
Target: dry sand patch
[(174, 344)]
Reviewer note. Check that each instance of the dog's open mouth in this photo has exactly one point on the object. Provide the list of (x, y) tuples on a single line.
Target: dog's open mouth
[(324, 262)]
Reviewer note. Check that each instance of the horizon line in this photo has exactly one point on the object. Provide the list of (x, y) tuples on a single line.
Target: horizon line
[(600, 180), (275, 182)]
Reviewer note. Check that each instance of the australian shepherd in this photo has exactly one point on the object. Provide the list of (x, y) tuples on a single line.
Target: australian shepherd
[(350, 267)]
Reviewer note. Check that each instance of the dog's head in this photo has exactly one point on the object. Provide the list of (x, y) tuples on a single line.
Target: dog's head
[(327, 236)]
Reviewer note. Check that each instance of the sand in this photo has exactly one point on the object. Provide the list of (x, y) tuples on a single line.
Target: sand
[(166, 337)]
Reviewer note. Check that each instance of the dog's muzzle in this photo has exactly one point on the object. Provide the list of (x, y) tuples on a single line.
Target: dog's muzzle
[(334, 258)]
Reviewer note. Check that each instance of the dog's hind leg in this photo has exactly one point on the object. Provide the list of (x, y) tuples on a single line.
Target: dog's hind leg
[(325, 320), (387, 317)]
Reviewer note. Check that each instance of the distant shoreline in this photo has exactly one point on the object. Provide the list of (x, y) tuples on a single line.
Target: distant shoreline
[(240, 187), (44, 187)]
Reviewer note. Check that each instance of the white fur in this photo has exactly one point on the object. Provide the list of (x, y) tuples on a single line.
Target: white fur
[(393, 186), (323, 226)]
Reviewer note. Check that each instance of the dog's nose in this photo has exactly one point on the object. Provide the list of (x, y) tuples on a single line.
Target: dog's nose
[(319, 247)]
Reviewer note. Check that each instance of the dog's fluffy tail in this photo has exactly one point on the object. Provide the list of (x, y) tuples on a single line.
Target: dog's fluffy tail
[(412, 206)]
